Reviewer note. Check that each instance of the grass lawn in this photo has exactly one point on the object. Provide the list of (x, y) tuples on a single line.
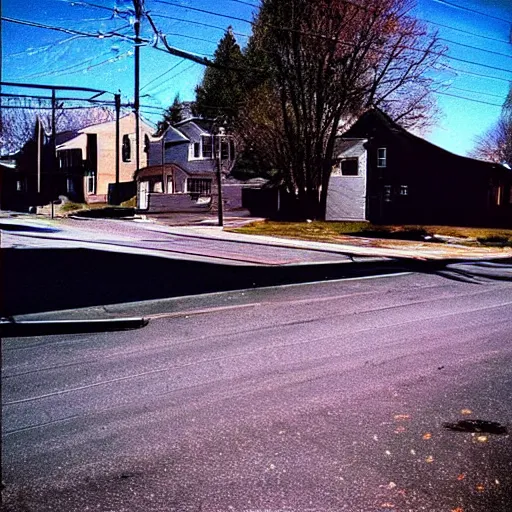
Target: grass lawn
[(332, 231)]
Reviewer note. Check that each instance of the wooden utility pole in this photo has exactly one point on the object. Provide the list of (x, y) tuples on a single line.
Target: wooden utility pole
[(138, 5), (54, 149), (117, 101)]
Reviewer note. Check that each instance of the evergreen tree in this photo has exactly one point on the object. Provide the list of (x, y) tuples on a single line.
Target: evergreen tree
[(221, 90), (173, 115)]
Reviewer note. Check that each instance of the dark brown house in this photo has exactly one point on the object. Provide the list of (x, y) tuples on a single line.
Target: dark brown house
[(385, 174)]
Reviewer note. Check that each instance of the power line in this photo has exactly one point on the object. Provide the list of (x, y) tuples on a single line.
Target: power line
[(243, 3), (445, 2), (65, 71), (173, 76), (465, 31), (476, 48), (199, 23), (98, 35), (163, 74), (467, 99), (204, 11), (481, 75), (475, 92)]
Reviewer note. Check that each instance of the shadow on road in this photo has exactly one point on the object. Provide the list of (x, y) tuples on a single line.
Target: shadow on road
[(36, 280)]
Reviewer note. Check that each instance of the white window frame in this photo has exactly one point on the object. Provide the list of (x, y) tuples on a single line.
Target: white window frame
[(90, 179), (388, 193), (382, 161), (404, 190)]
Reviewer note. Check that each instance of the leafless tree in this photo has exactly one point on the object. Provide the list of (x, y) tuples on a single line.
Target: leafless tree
[(328, 61), (18, 120)]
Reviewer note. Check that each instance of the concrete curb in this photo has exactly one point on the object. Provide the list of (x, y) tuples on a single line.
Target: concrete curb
[(13, 328)]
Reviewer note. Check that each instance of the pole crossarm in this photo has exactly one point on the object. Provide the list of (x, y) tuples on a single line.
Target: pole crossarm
[(54, 87)]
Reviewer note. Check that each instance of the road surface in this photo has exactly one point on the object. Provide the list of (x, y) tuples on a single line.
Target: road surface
[(318, 397)]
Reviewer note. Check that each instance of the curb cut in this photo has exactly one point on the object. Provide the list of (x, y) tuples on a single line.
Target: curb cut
[(15, 329)]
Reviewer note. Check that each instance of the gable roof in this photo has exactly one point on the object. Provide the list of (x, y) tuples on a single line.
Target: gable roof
[(373, 119)]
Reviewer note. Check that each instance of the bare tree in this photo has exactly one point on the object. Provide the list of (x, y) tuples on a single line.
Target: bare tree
[(496, 144), (328, 61), (18, 120)]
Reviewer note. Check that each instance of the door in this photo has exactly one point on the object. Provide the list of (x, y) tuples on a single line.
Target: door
[(143, 195)]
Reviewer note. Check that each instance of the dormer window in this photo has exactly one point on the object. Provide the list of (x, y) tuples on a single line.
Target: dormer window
[(382, 157)]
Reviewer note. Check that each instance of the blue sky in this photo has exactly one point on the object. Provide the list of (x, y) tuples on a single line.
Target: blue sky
[(43, 56)]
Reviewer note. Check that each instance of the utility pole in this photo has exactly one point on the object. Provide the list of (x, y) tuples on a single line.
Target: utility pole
[(54, 148), (138, 5), (117, 101)]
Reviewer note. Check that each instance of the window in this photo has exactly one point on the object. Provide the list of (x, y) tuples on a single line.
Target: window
[(20, 185), (70, 186), (404, 190), (207, 146), (146, 143), (91, 183), (350, 167), (231, 149), (387, 193), (197, 150), (127, 149), (382, 157), (202, 187)]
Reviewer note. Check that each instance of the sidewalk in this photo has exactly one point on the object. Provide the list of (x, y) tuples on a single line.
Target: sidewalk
[(353, 245)]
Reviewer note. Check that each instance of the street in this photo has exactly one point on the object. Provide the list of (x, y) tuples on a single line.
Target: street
[(312, 397)]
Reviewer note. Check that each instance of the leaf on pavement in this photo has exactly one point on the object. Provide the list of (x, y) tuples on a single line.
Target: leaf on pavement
[(400, 429), (466, 411), (480, 488), (461, 477), (429, 459), (402, 417), (426, 436)]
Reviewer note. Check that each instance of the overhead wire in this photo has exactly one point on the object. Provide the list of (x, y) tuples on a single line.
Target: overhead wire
[(468, 99), (463, 8), (163, 74)]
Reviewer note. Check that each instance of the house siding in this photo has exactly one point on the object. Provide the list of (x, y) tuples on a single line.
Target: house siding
[(106, 153), (346, 195)]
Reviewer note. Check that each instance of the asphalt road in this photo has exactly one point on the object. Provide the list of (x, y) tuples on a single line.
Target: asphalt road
[(319, 397), (152, 239)]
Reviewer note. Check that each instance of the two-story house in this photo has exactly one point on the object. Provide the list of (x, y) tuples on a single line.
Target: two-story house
[(87, 158), (385, 174), (182, 166)]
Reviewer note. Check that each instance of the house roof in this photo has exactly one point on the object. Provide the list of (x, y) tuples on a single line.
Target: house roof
[(172, 134), (343, 145), (369, 122), (63, 137)]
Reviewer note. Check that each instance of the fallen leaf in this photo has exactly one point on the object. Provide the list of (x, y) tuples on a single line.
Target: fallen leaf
[(426, 436), (461, 477), (402, 417), (399, 430), (458, 509), (497, 482), (387, 452), (413, 451), (387, 505), (429, 459), (480, 488), (466, 411), (481, 439)]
